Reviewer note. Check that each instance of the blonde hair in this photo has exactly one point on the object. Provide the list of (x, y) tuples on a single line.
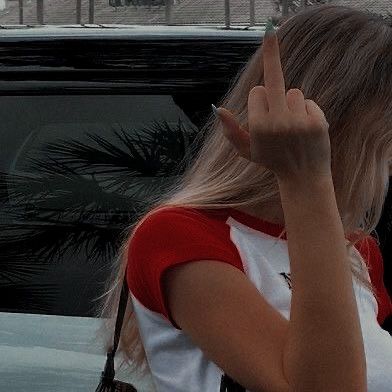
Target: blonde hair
[(339, 57)]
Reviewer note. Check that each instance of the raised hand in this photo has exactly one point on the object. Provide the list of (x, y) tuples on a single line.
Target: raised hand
[(285, 133)]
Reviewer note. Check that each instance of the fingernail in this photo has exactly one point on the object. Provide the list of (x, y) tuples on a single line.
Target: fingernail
[(215, 110), (269, 28)]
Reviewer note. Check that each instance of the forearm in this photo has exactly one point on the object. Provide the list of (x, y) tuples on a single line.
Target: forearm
[(324, 350)]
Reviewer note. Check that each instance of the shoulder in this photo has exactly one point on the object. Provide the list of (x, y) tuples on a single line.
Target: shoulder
[(176, 222), (172, 236)]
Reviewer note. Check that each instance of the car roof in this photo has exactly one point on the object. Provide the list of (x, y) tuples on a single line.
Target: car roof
[(129, 31)]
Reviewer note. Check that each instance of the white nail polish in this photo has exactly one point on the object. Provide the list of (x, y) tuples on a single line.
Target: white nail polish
[(215, 110)]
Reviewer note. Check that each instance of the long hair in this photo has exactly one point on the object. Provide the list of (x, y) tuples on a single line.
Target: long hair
[(339, 57)]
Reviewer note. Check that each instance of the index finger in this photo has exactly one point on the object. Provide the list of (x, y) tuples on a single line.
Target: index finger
[(273, 73)]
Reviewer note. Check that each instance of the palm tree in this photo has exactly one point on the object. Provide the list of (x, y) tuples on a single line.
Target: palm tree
[(78, 199)]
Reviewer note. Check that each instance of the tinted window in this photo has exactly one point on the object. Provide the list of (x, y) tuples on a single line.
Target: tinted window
[(74, 170)]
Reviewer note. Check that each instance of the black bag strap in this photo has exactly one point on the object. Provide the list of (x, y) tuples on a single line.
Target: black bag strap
[(120, 313), (107, 376)]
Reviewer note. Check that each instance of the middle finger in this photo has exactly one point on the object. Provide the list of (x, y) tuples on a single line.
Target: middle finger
[(273, 74)]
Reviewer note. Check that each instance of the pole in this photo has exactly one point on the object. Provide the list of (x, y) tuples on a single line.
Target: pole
[(169, 11), (40, 11), (20, 12), (91, 11), (252, 12), (285, 7), (78, 11), (227, 14)]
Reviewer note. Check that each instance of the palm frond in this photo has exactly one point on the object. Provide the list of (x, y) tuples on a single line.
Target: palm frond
[(29, 297), (76, 199), (151, 151)]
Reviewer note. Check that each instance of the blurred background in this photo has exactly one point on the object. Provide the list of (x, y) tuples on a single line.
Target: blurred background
[(163, 12)]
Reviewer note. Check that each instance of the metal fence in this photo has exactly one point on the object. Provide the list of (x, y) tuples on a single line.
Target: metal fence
[(169, 12), (168, 4)]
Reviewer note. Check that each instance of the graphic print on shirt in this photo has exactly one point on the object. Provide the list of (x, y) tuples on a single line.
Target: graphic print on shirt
[(287, 277)]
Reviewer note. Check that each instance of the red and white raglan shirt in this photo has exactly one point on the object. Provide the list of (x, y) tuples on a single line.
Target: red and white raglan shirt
[(174, 235)]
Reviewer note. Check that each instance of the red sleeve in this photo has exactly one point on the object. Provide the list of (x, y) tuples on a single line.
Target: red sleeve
[(372, 253), (170, 237)]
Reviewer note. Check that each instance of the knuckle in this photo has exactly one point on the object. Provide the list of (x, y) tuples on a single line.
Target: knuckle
[(252, 90), (257, 90), (280, 125), (295, 91), (301, 124), (316, 125)]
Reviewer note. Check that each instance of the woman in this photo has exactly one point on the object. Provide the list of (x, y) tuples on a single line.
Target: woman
[(257, 272)]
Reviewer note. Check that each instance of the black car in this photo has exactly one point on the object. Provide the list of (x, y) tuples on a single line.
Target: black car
[(94, 121)]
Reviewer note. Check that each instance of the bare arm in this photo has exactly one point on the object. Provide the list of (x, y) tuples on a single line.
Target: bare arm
[(320, 349), (324, 350)]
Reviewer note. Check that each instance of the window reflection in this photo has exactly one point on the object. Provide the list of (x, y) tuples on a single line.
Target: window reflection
[(74, 169)]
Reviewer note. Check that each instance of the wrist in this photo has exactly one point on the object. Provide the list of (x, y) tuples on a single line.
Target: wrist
[(305, 180), (318, 188)]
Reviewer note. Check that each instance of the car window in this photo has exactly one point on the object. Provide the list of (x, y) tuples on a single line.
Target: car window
[(75, 168)]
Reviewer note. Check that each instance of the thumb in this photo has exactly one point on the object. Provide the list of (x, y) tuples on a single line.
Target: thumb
[(237, 135)]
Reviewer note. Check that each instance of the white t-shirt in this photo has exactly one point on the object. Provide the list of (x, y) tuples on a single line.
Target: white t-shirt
[(175, 235)]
